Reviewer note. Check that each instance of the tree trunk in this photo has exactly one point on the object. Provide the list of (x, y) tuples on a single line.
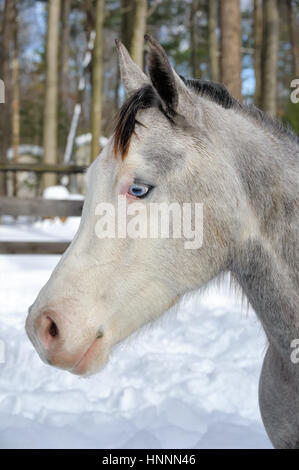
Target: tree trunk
[(270, 56), (15, 98), (293, 38), (50, 111), (64, 108), (65, 50), (97, 69), (258, 41), (213, 46), (126, 34), (90, 17), (5, 114), (230, 19), (126, 22), (194, 59), (138, 31)]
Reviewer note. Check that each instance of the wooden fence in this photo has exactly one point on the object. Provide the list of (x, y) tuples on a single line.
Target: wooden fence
[(38, 207), (33, 248), (41, 168)]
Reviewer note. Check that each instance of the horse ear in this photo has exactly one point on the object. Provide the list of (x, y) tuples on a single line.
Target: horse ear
[(131, 75), (164, 78)]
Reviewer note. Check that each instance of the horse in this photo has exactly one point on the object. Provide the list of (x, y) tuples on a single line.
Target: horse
[(182, 140)]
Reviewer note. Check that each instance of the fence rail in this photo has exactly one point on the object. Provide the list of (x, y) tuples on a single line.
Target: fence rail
[(41, 168), (33, 248), (40, 207)]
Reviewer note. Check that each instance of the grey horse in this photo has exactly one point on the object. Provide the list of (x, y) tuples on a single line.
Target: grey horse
[(184, 141)]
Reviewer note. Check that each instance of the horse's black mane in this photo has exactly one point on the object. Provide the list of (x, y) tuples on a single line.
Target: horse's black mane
[(220, 95), (214, 91), (147, 97)]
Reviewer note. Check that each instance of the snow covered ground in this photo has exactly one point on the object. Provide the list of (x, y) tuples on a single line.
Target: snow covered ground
[(188, 381)]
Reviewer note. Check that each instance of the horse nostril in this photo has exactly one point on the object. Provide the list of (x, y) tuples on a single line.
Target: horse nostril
[(100, 333), (53, 330), (48, 331)]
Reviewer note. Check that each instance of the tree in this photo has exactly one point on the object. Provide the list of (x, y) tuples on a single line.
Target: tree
[(293, 37), (230, 20), (51, 92), (270, 56), (97, 71), (213, 46), (138, 31), (15, 95), (64, 85), (126, 35), (5, 75), (258, 40), (126, 22), (194, 58), (65, 49)]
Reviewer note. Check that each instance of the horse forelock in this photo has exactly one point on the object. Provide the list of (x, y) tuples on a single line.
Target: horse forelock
[(144, 98)]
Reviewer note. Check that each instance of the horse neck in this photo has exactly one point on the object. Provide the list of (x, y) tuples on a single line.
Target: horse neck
[(265, 261)]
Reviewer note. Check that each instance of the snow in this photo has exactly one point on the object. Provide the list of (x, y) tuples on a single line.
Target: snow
[(26, 150), (38, 151), (84, 139), (60, 192), (189, 380)]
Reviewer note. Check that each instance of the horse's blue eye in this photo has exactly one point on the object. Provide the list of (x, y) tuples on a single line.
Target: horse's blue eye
[(138, 190)]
